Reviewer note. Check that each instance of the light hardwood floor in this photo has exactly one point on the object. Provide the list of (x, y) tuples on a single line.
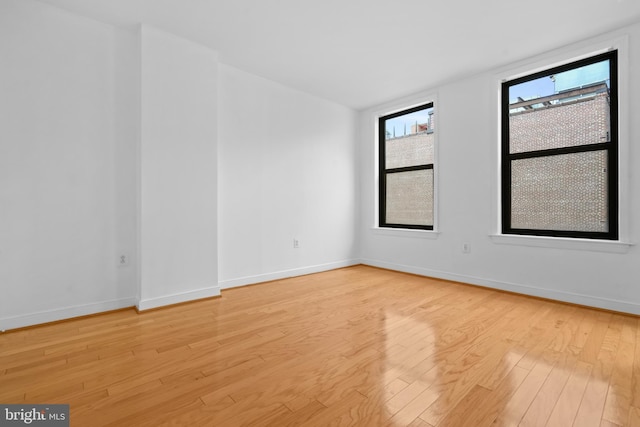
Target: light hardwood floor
[(355, 346)]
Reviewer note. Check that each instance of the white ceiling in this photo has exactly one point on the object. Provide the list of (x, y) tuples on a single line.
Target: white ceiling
[(360, 53)]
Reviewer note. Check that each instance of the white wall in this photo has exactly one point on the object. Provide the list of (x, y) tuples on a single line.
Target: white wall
[(66, 144), (591, 274), (109, 147), (178, 170), (287, 170)]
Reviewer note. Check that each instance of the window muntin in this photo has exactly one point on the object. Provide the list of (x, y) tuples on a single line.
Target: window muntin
[(406, 142), (559, 151)]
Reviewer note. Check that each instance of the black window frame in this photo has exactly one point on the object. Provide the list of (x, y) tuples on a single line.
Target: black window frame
[(383, 171), (611, 147)]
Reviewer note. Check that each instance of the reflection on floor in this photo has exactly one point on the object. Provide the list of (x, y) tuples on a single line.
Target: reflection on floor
[(355, 346)]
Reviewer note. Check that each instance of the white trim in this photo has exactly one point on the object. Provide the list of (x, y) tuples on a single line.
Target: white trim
[(47, 316), (565, 55), (138, 165), (406, 232), (624, 152), (610, 246), (147, 304), (569, 297), (284, 274)]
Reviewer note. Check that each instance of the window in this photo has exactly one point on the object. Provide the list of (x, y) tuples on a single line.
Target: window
[(560, 151), (406, 142)]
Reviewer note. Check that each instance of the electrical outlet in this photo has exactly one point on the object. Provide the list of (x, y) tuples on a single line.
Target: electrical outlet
[(123, 260), (296, 243)]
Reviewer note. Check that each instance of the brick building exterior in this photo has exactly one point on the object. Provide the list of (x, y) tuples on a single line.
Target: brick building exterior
[(561, 192), (410, 194), (577, 122)]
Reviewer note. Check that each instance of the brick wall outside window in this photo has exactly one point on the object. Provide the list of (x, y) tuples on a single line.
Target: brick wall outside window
[(560, 192)]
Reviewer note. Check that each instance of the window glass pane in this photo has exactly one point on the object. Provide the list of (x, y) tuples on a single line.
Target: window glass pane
[(410, 197), (410, 150), (564, 193), (409, 139), (566, 109)]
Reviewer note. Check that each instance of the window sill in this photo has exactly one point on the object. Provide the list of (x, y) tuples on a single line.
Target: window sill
[(610, 246), (405, 232)]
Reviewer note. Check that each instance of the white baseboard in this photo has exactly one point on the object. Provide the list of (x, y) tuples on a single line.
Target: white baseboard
[(573, 298), (149, 303), (40, 317), (266, 277), (7, 323)]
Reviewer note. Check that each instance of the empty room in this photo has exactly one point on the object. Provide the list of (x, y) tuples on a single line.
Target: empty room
[(252, 213)]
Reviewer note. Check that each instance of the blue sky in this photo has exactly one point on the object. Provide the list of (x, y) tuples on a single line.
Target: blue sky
[(406, 121), (576, 77), (532, 89)]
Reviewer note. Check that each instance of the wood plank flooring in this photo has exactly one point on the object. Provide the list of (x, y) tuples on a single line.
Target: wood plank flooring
[(355, 346)]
